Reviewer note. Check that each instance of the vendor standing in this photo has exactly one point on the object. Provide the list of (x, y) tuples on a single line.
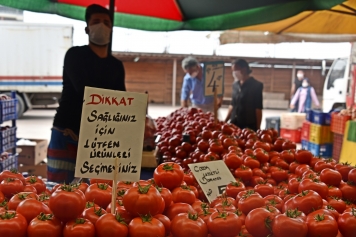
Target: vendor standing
[(193, 87), (88, 65), (246, 106)]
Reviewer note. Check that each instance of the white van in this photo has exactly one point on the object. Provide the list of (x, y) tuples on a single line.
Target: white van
[(337, 85)]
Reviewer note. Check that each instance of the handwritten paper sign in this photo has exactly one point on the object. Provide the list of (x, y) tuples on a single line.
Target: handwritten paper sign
[(112, 127), (214, 77), (212, 176)]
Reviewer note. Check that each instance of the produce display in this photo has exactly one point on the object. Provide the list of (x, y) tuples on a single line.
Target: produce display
[(279, 191)]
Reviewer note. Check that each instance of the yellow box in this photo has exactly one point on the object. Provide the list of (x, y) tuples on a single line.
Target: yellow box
[(320, 134)]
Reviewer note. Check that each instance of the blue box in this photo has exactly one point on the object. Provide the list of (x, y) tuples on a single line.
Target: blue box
[(10, 163), (324, 150), (321, 118), (309, 115), (7, 139), (305, 145), (273, 122), (8, 110)]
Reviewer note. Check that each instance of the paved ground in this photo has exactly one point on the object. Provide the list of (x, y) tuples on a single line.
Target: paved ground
[(37, 123)]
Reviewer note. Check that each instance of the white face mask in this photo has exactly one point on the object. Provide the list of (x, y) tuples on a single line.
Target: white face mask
[(300, 75), (237, 75), (99, 34), (305, 84), (194, 74)]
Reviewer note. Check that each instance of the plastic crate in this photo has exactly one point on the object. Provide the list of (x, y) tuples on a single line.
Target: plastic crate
[(305, 131), (321, 118), (273, 122), (338, 123), (292, 135), (8, 139), (320, 134), (305, 144), (292, 121), (8, 110), (337, 146), (10, 163), (324, 150), (309, 115)]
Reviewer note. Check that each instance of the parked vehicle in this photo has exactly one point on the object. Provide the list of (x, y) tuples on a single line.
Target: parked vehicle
[(31, 61)]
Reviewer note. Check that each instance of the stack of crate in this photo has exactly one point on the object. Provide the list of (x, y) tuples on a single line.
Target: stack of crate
[(316, 134), (338, 124), (291, 126)]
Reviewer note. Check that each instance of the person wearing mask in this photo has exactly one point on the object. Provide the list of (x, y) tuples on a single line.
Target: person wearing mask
[(245, 110), (297, 82), (304, 97), (88, 65), (193, 87)]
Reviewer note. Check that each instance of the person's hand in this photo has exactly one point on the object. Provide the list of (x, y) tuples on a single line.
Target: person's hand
[(292, 106)]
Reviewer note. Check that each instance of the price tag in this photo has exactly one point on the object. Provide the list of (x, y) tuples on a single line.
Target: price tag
[(214, 78), (213, 177), (111, 134)]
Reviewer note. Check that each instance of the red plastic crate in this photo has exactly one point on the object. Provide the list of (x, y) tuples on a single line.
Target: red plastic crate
[(338, 123), (305, 131), (292, 135), (337, 146)]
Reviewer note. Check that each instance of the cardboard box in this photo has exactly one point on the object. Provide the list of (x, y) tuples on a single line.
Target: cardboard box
[(36, 170), (33, 154), (292, 121), (149, 159)]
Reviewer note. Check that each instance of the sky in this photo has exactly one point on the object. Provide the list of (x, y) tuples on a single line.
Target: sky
[(190, 42)]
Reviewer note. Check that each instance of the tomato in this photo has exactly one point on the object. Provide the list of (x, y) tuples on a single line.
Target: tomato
[(244, 173), (224, 224), (124, 184), (321, 225), (348, 191), (11, 186), (232, 161), (166, 223), (146, 226), (301, 169), (64, 199), (352, 175), (118, 227), (330, 177), (12, 174), (264, 145), (288, 156), (199, 205), (92, 214), (177, 208), (303, 156), (293, 166), (288, 145), (344, 170), (30, 188), (183, 194), (259, 222), (338, 204), (16, 199), (289, 225), (12, 224), (79, 227), (275, 201), (277, 145), (30, 208), (307, 201), (315, 185), (91, 204), (279, 175), (262, 156), (250, 201), (143, 200), (256, 180), (81, 186), (45, 225), (252, 162), (99, 193), (332, 211), (347, 223), (227, 204), (168, 175), (101, 181), (320, 165), (120, 209), (264, 189), (293, 185), (37, 183), (2, 197), (188, 225), (233, 188)]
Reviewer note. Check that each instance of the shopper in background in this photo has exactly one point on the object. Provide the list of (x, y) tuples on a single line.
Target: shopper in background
[(302, 100), (246, 106), (88, 65), (296, 84), (193, 86)]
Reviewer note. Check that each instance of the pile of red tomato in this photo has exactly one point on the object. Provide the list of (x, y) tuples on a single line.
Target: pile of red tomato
[(279, 191)]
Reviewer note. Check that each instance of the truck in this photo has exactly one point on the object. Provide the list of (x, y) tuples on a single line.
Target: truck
[(31, 62), (340, 83)]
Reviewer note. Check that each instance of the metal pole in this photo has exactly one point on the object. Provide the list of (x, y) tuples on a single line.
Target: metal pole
[(112, 10), (174, 82)]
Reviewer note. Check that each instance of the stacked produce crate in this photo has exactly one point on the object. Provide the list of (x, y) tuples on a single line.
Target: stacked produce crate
[(8, 158), (316, 134), (274, 122), (338, 124), (291, 126)]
